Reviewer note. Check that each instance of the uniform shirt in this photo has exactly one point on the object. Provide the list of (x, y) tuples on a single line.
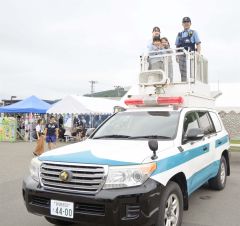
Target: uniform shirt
[(51, 129), (194, 38)]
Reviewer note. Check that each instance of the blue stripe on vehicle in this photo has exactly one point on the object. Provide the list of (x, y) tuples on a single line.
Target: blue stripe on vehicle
[(221, 141), (83, 157), (202, 176), (183, 157), (162, 165)]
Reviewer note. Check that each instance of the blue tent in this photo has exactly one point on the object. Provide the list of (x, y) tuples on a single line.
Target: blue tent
[(29, 105)]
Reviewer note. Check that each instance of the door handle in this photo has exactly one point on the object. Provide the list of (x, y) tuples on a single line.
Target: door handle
[(219, 142), (205, 148)]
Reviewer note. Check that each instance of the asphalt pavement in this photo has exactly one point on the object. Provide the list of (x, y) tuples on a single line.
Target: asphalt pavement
[(206, 207)]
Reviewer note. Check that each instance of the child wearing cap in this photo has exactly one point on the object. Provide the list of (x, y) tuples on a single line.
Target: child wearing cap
[(155, 63)]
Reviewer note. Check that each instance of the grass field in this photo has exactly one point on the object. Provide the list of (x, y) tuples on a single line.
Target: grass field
[(234, 148), (235, 141)]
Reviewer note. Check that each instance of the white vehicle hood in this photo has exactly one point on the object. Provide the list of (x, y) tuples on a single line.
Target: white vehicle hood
[(105, 152)]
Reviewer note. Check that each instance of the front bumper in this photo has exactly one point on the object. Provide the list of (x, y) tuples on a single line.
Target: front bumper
[(115, 207)]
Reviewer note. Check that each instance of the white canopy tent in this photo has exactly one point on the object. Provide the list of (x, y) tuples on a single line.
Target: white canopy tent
[(73, 104)]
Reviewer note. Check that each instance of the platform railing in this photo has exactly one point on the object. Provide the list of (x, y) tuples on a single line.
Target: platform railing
[(176, 65)]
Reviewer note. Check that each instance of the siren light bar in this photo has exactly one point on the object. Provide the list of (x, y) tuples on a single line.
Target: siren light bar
[(156, 101), (169, 100), (134, 102)]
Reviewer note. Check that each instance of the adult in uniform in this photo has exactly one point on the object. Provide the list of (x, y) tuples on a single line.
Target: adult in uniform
[(189, 40)]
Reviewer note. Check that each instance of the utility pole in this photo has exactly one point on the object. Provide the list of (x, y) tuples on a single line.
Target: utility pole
[(92, 83)]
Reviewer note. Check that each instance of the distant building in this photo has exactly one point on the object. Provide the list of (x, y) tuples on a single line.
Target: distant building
[(6, 102)]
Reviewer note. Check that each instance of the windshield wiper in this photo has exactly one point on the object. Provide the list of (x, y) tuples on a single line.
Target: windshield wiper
[(131, 137), (112, 136), (151, 137)]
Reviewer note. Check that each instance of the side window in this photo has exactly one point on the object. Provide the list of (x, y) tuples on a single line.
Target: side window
[(205, 122), (190, 121), (216, 121)]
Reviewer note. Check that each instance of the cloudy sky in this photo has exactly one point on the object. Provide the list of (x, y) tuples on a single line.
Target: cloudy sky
[(52, 48)]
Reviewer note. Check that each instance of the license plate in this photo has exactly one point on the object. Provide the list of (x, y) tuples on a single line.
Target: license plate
[(62, 209)]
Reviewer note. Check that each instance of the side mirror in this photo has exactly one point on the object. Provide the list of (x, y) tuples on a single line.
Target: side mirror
[(195, 134), (89, 132), (153, 145)]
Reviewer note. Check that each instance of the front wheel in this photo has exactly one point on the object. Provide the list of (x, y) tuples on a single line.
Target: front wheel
[(219, 182), (171, 206), (58, 222)]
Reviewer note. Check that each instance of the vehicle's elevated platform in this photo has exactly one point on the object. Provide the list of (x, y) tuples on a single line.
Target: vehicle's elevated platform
[(176, 73)]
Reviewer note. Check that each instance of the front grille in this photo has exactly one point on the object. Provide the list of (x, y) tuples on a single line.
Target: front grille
[(85, 179)]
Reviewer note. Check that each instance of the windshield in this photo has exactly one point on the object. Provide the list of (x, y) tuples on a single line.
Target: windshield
[(139, 125)]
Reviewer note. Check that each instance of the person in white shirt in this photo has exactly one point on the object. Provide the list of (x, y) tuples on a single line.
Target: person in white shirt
[(155, 62)]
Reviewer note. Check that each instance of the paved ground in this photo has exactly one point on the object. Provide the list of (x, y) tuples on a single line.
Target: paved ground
[(207, 208)]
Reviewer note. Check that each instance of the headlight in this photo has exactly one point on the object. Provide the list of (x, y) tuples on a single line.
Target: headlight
[(35, 169), (128, 176)]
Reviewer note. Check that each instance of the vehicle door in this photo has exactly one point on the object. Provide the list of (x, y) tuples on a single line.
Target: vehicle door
[(196, 153), (221, 136), (207, 126)]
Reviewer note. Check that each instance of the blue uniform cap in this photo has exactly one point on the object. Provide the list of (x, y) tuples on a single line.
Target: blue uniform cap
[(186, 19)]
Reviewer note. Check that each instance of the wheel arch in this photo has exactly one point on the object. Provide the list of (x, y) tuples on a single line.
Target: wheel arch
[(226, 154), (181, 180)]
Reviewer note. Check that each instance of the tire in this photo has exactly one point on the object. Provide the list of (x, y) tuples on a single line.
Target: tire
[(58, 222), (219, 182), (171, 206)]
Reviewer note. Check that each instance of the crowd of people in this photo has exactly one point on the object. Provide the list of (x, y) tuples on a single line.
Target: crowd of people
[(50, 128), (187, 39)]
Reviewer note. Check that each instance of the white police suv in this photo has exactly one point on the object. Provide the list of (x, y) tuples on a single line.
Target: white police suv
[(139, 167)]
